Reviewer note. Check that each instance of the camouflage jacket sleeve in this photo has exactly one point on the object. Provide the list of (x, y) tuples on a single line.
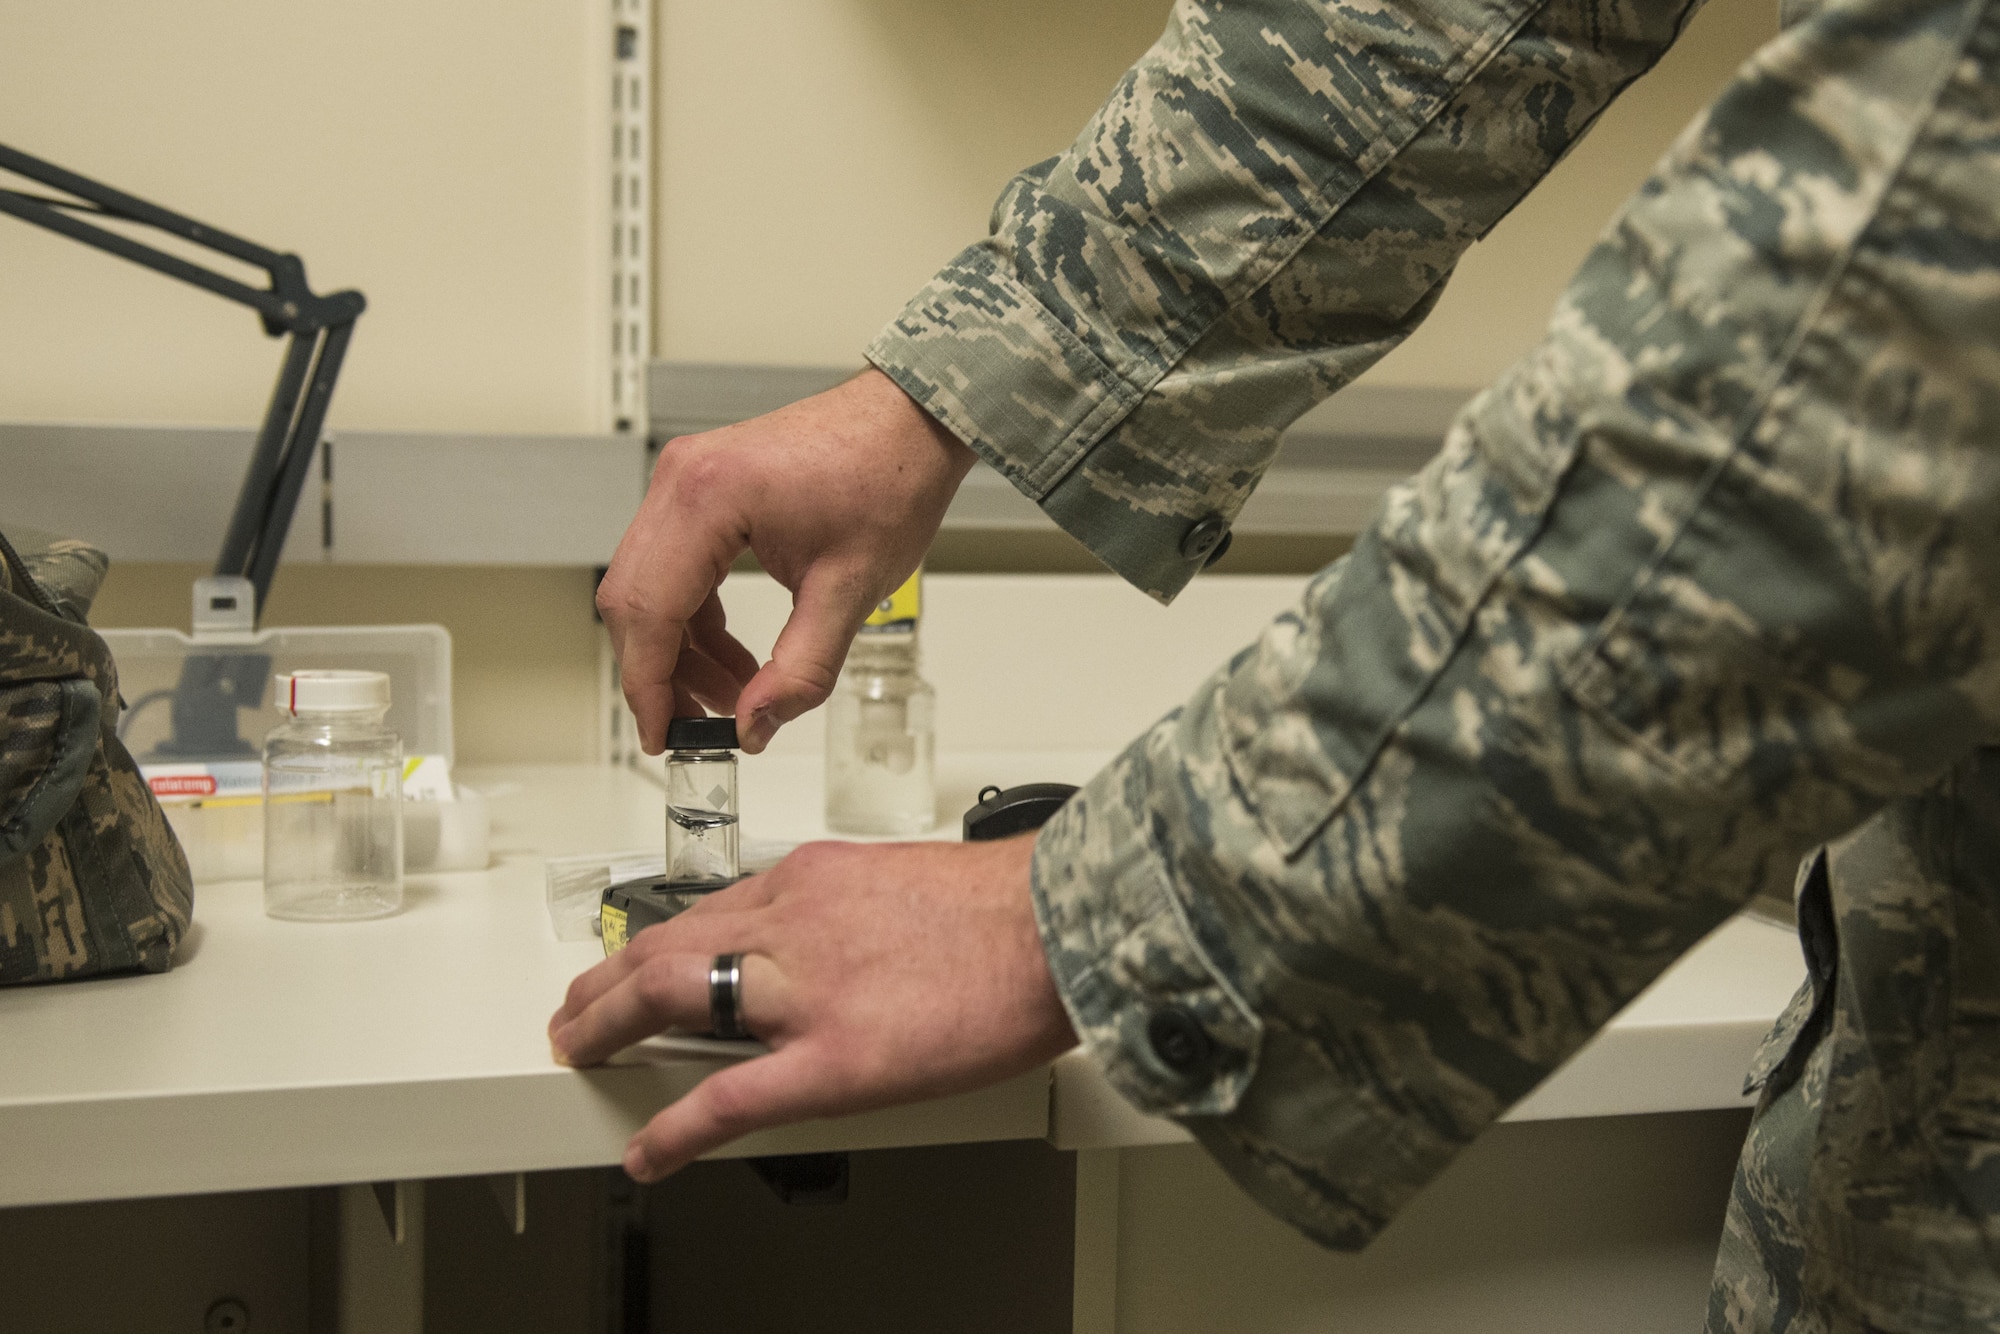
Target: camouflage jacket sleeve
[(1703, 581), (1271, 200)]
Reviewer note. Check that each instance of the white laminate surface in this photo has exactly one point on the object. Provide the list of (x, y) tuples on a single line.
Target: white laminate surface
[(287, 1053), (283, 1054)]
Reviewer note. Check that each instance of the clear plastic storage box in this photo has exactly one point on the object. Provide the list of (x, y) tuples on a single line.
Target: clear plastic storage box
[(197, 712), (152, 665)]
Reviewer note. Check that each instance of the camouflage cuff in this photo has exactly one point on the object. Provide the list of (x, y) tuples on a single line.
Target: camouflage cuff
[(984, 357), (1166, 1026)]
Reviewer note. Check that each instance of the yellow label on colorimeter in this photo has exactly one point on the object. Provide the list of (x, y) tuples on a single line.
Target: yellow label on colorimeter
[(898, 611), (611, 925)]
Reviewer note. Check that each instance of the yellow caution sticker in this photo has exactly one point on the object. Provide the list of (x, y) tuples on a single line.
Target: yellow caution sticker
[(611, 925), (898, 611)]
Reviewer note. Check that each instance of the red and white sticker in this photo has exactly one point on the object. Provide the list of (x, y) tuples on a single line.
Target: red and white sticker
[(194, 784), (182, 785)]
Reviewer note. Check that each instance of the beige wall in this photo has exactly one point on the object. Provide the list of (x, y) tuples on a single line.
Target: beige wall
[(442, 157), (817, 159), (820, 158)]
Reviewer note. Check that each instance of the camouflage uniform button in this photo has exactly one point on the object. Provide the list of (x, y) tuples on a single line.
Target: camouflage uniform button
[(1180, 1041), (1204, 537)]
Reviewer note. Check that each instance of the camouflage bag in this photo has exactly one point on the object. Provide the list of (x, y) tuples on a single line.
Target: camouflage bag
[(92, 879)]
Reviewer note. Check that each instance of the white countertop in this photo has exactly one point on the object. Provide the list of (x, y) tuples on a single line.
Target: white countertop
[(283, 1054), (289, 1053)]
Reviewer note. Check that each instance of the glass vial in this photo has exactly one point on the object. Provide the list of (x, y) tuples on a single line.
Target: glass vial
[(881, 740), (333, 800), (701, 800)]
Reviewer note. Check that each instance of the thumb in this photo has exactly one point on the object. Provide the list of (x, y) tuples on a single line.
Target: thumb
[(805, 662)]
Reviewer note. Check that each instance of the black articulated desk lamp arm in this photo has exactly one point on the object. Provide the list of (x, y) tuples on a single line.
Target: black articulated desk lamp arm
[(319, 327)]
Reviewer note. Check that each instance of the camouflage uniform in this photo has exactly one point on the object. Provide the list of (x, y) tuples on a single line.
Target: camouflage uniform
[(1709, 577)]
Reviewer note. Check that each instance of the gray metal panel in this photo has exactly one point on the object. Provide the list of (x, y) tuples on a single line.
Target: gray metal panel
[(1288, 501), (687, 396), (1337, 452), (142, 493), (1302, 500), (1384, 410), (987, 501), (147, 493), (420, 498)]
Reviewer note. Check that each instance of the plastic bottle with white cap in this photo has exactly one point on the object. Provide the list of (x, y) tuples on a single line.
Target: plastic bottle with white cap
[(333, 800)]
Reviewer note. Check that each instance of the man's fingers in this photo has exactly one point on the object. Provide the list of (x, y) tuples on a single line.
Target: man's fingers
[(769, 1090), (722, 928), (751, 892), (662, 578), (646, 671), (669, 990), (588, 985), (701, 678), (805, 662), (663, 992), (672, 670), (708, 630)]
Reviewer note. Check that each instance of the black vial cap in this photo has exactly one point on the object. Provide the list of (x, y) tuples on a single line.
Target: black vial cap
[(702, 734)]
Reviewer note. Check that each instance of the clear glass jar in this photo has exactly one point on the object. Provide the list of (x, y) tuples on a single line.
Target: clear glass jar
[(881, 740), (333, 800), (702, 829)]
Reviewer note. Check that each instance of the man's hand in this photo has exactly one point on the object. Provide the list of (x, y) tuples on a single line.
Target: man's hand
[(838, 495), (877, 973)]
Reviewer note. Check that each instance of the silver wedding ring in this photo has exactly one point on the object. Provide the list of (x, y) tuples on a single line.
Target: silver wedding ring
[(725, 998)]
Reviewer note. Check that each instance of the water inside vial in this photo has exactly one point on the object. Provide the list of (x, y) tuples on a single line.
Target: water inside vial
[(701, 844)]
